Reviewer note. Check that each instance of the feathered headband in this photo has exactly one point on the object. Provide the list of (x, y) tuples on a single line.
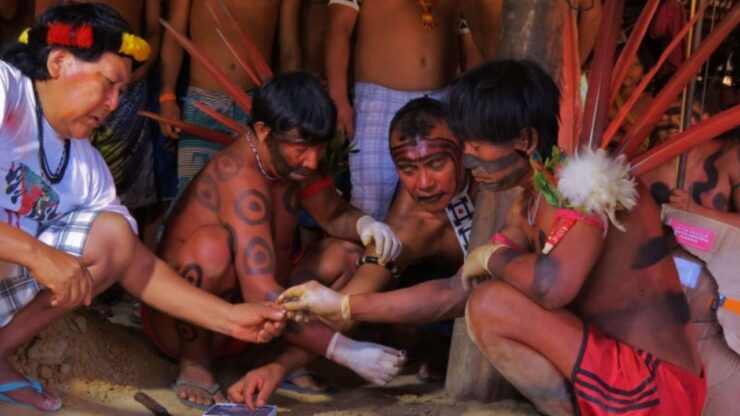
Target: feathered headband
[(84, 37)]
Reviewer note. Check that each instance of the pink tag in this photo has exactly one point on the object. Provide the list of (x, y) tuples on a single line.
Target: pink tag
[(693, 236)]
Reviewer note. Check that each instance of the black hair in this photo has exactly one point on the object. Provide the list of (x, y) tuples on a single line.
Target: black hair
[(499, 100), (296, 100), (107, 27), (417, 118)]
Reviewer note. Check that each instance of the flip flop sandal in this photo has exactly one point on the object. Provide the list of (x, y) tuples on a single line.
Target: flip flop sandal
[(20, 384), (187, 383), (289, 388)]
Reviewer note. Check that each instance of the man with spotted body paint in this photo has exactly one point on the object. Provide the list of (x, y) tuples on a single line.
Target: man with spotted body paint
[(431, 214), (231, 234)]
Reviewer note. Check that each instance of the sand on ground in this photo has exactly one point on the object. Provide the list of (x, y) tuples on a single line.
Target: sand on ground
[(98, 366)]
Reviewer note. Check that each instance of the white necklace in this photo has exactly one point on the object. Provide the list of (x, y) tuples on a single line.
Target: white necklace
[(531, 217), (259, 159)]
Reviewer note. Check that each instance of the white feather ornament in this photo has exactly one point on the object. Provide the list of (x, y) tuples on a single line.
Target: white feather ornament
[(598, 184)]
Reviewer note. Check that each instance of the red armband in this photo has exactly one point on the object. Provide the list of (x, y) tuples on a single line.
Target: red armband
[(564, 221), (315, 187), (501, 238)]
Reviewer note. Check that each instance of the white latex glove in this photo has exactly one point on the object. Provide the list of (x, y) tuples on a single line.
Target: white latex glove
[(374, 362), (386, 243), (312, 299), (475, 268)]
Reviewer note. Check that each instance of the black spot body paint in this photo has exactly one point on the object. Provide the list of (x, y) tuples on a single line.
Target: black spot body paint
[(651, 252), (259, 258), (546, 270), (712, 173), (227, 166), (193, 274), (252, 207), (720, 202), (660, 192), (678, 304), (206, 193)]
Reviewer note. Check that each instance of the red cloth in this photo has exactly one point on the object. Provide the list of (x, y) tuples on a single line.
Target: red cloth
[(612, 378)]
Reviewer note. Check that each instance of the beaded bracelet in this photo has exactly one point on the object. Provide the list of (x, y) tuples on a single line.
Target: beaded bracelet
[(374, 260)]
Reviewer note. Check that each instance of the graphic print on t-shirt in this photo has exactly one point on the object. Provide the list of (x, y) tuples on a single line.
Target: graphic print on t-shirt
[(38, 200)]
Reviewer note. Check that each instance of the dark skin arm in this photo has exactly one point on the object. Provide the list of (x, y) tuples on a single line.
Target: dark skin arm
[(334, 215), (552, 280), (342, 20), (290, 47)]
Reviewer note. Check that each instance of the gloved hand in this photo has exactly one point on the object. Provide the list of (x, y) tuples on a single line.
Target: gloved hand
[(475, 268), (387, 244), (312, 299), (374, 362)]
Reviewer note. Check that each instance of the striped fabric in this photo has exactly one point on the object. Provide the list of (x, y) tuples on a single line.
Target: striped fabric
[(372, 171), (193, 153), (67, 234)]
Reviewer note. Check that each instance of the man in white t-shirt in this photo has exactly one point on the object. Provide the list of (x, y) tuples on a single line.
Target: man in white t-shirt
[(64, 236)]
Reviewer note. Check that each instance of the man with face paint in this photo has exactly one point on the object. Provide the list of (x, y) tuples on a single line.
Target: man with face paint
[(431, 214), (231, 234), (599, 325)]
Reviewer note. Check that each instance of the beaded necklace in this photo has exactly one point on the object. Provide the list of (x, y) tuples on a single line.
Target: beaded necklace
[(58, 174)]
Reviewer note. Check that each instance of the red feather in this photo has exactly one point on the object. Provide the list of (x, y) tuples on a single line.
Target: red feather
[(682, 142), (202, 132), (647, 120), (613, 126)]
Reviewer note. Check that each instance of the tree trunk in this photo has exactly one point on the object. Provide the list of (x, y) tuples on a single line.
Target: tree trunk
[(531, 30)]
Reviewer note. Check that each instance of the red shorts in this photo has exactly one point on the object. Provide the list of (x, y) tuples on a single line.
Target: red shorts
[(231, 347), (612, 378)]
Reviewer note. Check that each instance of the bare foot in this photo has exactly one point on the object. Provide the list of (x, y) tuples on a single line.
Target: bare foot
[(42, 401), (197, 385)]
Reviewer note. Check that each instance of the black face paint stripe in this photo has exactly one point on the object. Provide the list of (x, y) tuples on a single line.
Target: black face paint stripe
[(491, 166), (507, 180)]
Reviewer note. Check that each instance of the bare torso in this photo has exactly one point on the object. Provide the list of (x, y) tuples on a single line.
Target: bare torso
[(708, 176), (258, 18), (394, 50), (234, 172), (425, 235), (633, 293)]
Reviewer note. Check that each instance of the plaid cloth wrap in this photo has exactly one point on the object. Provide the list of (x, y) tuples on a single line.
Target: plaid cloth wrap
[(193, 153), (372, 171), (68, 234)]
